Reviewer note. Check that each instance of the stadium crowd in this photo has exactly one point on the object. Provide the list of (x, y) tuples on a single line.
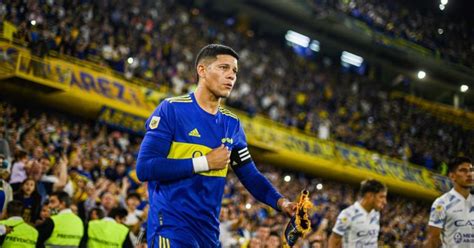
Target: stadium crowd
[(140, 40), (447, 37), (95, 165)]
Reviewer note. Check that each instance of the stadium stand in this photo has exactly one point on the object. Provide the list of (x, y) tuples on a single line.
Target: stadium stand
[(446, 38), (316, 102), (95, 163)]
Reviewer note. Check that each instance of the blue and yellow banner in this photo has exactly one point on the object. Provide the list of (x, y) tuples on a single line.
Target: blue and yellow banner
[(122, 120)]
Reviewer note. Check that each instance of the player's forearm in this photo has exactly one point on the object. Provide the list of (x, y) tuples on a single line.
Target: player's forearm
[(433, 242), (334, 241), (258, 185), (152, 164), (163, 169)]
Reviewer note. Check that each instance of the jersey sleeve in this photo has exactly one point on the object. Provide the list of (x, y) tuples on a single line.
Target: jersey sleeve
[(256, 183), (152, 161), (438, 214), (343, 223), (161, 123)]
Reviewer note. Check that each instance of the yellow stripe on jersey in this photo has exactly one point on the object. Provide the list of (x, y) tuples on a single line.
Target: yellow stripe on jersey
[(179, 97), (180, 150), (183, 101), (180, 101), (227, 112), (168, 243)]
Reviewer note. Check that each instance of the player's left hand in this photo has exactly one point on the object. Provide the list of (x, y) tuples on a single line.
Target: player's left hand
[(287, 207)]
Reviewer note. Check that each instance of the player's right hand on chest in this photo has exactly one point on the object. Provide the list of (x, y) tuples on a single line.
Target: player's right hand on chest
[(218, 158)]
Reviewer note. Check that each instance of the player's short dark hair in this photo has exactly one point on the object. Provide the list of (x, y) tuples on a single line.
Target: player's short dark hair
[(63, 197), (456, 162), (371, 186), (212, 50), (14, 208), (118, 212)]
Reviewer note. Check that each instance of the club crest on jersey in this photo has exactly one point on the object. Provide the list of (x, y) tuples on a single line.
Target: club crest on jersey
[(155, 120)]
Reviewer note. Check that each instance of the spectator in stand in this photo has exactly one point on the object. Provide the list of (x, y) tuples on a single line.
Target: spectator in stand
[(31, 199), (19, 169), (6, 192)]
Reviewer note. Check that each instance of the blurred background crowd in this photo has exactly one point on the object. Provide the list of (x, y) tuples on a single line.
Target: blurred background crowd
[(447, 38), (139, 39), (95, 164)]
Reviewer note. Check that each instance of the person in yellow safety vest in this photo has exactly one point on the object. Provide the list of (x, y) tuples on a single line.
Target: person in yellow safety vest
[(65, 229), (109, 231), (20, 234)]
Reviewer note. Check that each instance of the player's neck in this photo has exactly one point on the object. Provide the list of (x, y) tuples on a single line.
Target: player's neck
[(462, 191), (206, 100)]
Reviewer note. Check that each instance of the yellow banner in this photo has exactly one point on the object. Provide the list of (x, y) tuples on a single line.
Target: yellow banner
[(83, 90), (102, 89), (8, 30)]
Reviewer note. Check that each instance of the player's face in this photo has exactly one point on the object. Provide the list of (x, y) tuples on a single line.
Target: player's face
[(463, 175), (380, 200), (220, 75)]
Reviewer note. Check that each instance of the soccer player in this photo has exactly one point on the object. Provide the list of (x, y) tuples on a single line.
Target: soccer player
[(358, 225), (189, 143), (452, 214)]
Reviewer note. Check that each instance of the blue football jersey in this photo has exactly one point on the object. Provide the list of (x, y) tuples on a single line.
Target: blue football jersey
[(188, 209)]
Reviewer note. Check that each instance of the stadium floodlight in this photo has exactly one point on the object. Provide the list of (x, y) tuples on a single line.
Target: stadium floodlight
[(319, 186), (421, 74), (440, 31), (464, 88), (352, 59), (287, 178), (248, 206), (444, 2), (297, 38), (33, 22), (441, 7), (314, 45), (130, 60)]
